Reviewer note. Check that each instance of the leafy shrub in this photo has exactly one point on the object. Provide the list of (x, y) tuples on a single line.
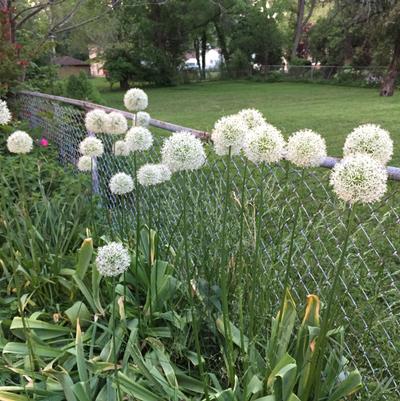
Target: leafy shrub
[(43, 79), (80, 87), (239, 65)]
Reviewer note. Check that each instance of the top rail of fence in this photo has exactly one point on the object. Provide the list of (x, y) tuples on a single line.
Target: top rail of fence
[(328, 162)]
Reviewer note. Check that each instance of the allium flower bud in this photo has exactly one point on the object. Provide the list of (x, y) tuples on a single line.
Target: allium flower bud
[(112, 259), (183, 151), (138, 139), (359, 179), (91, 146), (97, 121), (84, 163), (5, 115), (306, 148), (19, 142), (370, 139), (135, 100), (121, 184)]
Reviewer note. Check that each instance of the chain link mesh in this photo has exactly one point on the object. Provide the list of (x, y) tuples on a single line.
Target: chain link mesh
[(370, 297)]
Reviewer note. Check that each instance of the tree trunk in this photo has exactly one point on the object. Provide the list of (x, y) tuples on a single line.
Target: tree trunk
[(389, 82), (222, 43), (203, 54), (299, 27), (197, 51), (124, 84)]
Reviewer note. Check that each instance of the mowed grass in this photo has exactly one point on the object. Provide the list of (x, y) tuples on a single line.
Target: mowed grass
[(333, 111)]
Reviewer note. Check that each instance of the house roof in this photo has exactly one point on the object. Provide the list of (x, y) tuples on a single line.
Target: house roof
[(69, 61)]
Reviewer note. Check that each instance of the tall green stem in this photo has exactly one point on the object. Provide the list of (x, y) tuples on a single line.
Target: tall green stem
[(114, 332), (319, 353), (137, 234), (224, 271), (188, 278), (291, 251)]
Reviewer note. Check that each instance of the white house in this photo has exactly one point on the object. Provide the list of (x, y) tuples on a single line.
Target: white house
[(213, 60)]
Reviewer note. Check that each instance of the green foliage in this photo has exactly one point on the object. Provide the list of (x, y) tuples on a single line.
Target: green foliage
[(239, 64), (10, 70), (43, 79), (80, 87)]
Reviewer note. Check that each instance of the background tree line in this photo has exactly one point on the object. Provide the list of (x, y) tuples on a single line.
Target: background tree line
[(146, 40)]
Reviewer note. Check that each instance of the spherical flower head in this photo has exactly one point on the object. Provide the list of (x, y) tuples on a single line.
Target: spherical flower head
[(142, 119), (359, 179), (136, 100), (117, 123), (84, 163), (5, 115), (306, 148), (19, 142), (264, 144), (139, 139), (183, 151), (229, 132), (149, 174), (97, 121), (165, 172), (112, 259), (121, 148), (121, 184), (252, 118), (372, 140), (153, 174), (91, 146)]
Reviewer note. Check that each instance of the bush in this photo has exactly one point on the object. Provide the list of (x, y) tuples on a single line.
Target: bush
[(43, 79), (80, 87), (239, 64)]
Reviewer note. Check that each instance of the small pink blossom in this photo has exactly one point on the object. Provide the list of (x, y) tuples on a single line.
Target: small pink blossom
[(44, 142)]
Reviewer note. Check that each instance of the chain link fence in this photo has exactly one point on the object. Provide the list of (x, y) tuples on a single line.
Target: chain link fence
[(370, 297)]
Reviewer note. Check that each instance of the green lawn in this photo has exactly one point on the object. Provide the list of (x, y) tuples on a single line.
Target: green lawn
[(330, 110)]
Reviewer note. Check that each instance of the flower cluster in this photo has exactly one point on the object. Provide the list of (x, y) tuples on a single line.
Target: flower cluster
[(97, 121), (252, 118), (229, 133), (264, 144), (153, 174), (19, 142), (112, 259), (306, 148), (117, 123), (370, 139), (5, 115), (138, 139), (359, 179), (142, 119), (135, 100), (84, 163), (183, 151), (121, 148), (121, 184), (91, 146)]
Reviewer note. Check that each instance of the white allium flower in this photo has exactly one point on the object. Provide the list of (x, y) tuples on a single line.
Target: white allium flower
[(97, 121), (183, 151), (112, 259), (264, 144), (121, 184), (149, 174), (252, 117), (84, 163), (135, 100), (153, 174), (370, 139), (91, 146), (142, 119), (5, 115), (121, 148), (229, 132), (306, 148), (117, 123), (359, 179), (138, 139), (165, 172), (19, 142)]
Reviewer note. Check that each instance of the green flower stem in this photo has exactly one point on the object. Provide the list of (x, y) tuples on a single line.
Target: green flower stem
[(150, 262), (224, 271), (327, 323), (137, 204), (291, 251), (188, 278), (114, 331)]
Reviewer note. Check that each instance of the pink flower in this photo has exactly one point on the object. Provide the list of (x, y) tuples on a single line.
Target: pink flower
[(44, 142)]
